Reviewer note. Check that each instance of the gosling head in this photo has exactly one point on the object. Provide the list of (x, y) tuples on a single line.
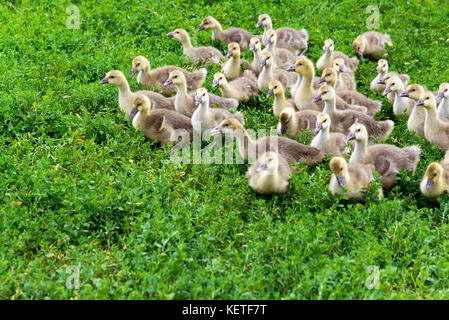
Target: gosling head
[(201, 97), (325, 93), (339, 65), (384, 79), (382, 66), (219, 80), (393, 85), (357, 132), (179, 34), (141, 103), (275, 88), (269, 162), (413, 91), (359, 45), (229, 126), (339, 168), (323, 122), (443, 91), (233, 50), (433, 174), (267, 59), (254, 44), (114, 77), (176, 78), (303, 66), (270, 37), (329, 76), (208, 23), (139, 63), (328, 46), (285, 118), (427, 100), (264, 20)]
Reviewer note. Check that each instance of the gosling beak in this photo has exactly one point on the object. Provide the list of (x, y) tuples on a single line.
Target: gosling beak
[(429, 183), (379, 69), (420, 102), (404, 93), (261, 166), (322, 79), (215, 83), (341, 181), (318, 127), (269, 93), (168, 82), (317, 98), (360, 53), (133, 71), (217, 129), (350, 136), (262, 63), (259, 24), (292, 68), (171, 34), (104, 80), (252, 46), (201, 27), (342, 69), (267, 41), (229, 53), (326, 50), (283, 129), (198, 100), (440, 95), (133, 112), (381, 81), (386, 91)]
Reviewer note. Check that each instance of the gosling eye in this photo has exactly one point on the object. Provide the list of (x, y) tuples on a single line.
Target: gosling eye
[(358, 130), (206, 23), (138, 64), (427, 98), (268, 58), (112, 77), (300, 64), (139, 104), (226, 125), (445, 90), (324, 92), (269, 160), (393, 83), (324, 121), (264, 19), (327, 75), (204, 94), (177, 32), (435, 174), (175, 77), (276, 87), (221, 78), (413, 90)]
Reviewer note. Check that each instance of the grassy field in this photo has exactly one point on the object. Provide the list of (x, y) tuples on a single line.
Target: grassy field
[(80, 187)]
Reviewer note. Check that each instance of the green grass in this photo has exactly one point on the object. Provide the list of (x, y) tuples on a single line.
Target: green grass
[(81, 187)]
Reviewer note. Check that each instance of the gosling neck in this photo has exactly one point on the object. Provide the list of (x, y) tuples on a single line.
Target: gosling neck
[(245, 143), (443, 108), (187, 46), (182, 97), (431, 123), (216, 31), (360, 151), (329, 106), (306, 85)]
